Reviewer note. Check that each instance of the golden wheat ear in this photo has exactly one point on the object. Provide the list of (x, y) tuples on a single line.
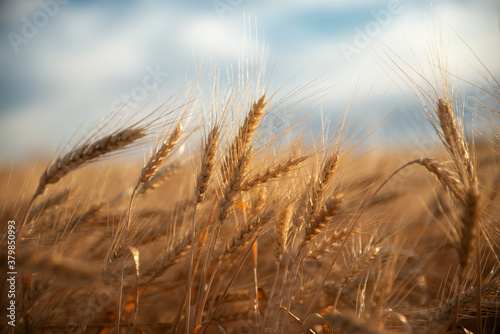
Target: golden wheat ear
[(159, 157), (207, 164), (82, 155), (86, 153)]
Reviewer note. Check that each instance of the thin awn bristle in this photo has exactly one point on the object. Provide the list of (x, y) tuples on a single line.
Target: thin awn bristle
[(452, 135)]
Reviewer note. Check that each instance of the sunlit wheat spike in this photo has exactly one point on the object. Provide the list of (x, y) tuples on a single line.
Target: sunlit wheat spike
[(246, 234), (252, 120), (207, 164), (281, 230), (327, 244), (445, 176), (319, 188), (170, 258), (361, 262), (328, 170), (453, 137), (318, 221), (233, 187), (272, 173), (160, 177), (159, 156), (245, 134), (87, 153)]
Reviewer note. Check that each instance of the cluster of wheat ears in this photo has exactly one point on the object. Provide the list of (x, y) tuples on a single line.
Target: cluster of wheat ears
[(255, 228)]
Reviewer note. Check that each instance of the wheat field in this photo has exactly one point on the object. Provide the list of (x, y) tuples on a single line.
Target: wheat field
[(239, 221)]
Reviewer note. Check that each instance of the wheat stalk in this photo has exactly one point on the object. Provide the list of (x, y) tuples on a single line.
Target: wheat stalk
[(454, 141)]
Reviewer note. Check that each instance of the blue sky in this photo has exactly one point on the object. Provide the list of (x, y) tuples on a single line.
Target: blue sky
[(85, 55)]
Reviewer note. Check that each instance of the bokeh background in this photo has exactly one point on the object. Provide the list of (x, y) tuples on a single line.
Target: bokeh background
[(67, 63)]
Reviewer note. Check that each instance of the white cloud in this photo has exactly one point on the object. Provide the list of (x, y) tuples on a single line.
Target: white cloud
[(104, 49)]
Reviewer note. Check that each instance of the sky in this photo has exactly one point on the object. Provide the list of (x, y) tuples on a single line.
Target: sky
[(66, 64)]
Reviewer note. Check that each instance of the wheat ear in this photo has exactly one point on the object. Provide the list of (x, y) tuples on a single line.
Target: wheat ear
[(328, 243), (247, 233), (280, 232), (234, 168), (207, 165), (157, 159), (170, 258), (87, 153), (436, 317), (272, 173), (453, 138), (147, 173), (361, 262), (251, 123), (318, 221), (319, 188), (444, 175), (242, 141), (159, 178), (233, 187), (469, 227)]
